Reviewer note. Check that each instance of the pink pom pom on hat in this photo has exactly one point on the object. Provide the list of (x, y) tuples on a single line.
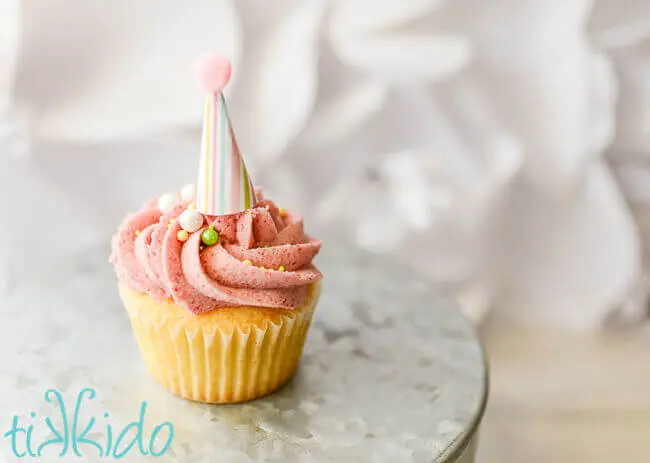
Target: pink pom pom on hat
[(224, 186), (213, 72)]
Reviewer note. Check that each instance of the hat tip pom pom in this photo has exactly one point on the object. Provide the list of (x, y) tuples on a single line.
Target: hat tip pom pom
[(213, 72)]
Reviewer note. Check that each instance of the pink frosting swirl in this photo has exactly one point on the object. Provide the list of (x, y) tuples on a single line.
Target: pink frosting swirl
[(263, 258)]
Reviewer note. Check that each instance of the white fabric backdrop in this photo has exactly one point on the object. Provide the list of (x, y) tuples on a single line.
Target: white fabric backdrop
[(500, 147)]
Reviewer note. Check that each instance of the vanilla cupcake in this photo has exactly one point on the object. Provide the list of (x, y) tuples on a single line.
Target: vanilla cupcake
[(219, 285)]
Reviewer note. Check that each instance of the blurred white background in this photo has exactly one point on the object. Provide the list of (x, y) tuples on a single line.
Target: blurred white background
[(501, 147)]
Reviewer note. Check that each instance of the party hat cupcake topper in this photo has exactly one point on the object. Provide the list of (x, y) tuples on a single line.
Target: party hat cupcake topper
[(224, 186)]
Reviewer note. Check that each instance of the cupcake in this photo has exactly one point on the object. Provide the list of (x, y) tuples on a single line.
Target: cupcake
[(218, 282)]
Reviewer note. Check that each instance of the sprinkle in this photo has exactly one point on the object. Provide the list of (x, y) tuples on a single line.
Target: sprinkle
[(171, 221), (262, 267), (283, 212), (191, 220), (201, 248), (191, 206), (266, 245), (248, 262), (209, 237), (182, 235), (188, 193), (137, 232), (281, 268), (166, 203)]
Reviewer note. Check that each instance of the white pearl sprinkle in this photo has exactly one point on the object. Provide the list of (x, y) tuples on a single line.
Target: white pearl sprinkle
[(188, 193), (191, 220), (166, 203)]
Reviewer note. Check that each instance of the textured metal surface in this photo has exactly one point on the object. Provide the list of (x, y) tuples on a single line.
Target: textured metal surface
[(391, 372)]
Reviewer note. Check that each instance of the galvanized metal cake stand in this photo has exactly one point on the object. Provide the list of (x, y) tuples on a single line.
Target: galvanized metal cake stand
[(391, 372)]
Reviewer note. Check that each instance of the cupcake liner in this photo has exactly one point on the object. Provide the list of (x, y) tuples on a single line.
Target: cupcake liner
[(229, 355)]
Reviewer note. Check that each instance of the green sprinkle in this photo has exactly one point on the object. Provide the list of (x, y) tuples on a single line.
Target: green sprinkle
[(209, 237)]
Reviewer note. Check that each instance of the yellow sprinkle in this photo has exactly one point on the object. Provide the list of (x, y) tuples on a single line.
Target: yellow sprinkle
[(262, 267), (171, 221), (182, 235), (283, 211), (201, 248), (248, 262), (137, 232), (266, 245), (191, 206), (281, 268)]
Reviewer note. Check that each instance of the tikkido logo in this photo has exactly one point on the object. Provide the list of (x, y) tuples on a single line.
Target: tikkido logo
[(71, 436)]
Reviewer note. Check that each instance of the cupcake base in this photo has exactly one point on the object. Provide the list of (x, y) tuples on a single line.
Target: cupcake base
[(229, 355)]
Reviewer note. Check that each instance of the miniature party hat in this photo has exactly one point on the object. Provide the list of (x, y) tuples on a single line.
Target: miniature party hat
[(224, 186)]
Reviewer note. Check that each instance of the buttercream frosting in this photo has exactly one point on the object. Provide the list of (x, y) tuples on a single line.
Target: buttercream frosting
[(262, 258)]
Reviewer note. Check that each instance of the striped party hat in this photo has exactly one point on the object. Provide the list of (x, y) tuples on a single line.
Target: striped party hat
[(224, 186)]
